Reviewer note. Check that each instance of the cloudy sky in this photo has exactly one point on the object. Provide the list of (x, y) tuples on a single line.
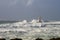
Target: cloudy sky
[(29, 9)]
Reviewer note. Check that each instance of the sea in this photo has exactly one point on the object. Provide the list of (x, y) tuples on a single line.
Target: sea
[(27, 30)]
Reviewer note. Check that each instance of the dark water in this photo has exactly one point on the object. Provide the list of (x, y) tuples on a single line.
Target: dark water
[(2, 22)]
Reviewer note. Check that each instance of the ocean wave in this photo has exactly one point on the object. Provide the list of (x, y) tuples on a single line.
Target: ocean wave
[(31, 29)]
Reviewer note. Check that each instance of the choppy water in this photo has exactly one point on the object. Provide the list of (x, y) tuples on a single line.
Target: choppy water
[(28, 31)]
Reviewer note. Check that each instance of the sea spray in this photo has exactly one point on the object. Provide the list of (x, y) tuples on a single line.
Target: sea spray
[(28, 30)]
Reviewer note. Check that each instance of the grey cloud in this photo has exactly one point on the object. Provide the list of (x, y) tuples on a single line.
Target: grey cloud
[(23, 2), (29, 9)]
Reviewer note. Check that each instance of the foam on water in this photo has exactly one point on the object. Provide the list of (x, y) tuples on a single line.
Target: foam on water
[(29, 30)]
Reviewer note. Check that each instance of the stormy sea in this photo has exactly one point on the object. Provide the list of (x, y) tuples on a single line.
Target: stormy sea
[(28, 30)]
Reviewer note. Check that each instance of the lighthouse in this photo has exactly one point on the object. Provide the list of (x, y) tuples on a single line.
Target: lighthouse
[(40, 19)]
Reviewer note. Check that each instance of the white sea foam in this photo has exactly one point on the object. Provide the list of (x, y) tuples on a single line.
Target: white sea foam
[(29, 30)]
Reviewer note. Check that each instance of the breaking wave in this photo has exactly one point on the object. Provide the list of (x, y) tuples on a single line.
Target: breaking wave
[(29, 30)]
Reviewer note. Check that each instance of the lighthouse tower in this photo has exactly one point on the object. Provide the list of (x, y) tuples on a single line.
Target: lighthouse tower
[(40, 19)]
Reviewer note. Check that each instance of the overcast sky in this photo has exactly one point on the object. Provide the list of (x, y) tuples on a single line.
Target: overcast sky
[(29, 9)]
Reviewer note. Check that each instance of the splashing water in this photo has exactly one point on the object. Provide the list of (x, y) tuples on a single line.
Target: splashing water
[(29, 30)]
